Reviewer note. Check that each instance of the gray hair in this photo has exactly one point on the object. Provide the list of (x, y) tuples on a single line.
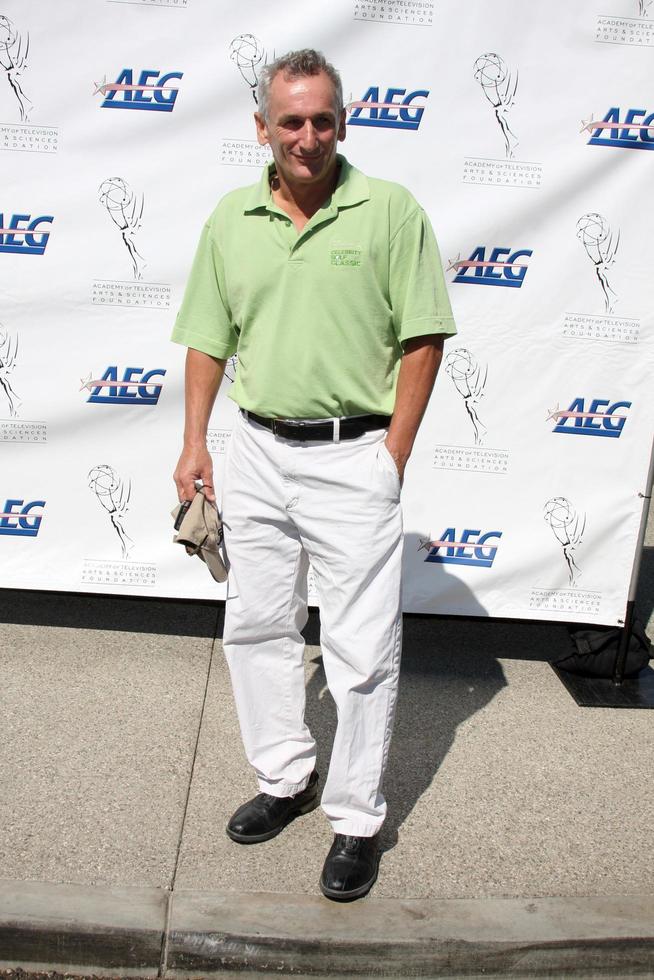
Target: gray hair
[(298, 64)]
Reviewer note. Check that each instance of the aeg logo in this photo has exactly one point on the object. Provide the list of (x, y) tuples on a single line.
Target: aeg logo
[(503, 268), (468, 548), (134, 388), (21, 234), (635, 132), (395, 111), (17, 518), (600, 419), (152, 91)]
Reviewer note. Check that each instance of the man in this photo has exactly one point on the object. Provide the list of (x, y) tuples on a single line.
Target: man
[(329, 286)]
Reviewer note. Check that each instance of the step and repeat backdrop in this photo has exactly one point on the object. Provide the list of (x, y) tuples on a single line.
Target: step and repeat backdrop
[(526, 131)]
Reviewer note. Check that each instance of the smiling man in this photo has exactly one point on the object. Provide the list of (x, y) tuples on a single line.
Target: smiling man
[(328, 284)]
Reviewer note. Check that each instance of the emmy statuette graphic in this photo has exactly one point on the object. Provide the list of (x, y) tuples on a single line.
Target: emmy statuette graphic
[(14, 49), (125, 208), (568, 528), (246, 51), (469, 379), (113, 495), (499, 86), (601, 244), (8, 352)]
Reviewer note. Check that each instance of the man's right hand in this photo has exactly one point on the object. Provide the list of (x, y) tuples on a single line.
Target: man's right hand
[(195, 463), (203, 375)]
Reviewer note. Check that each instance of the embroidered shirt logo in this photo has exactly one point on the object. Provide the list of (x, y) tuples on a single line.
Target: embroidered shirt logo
[(346, 256)]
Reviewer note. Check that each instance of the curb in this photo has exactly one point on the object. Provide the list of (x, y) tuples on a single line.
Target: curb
[(44, 925), (79, 928)]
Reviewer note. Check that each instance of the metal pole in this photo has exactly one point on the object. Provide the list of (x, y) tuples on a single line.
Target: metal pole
[(625, 638)]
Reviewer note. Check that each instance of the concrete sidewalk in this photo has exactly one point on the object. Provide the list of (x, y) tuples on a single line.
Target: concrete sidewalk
[(519, 834)]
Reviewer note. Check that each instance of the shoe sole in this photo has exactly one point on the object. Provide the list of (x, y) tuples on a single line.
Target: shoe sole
[(290, 817), (348, 896)]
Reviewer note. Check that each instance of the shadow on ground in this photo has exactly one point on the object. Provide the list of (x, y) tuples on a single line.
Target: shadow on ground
[(450, 671), (132, 614), (451, 667)]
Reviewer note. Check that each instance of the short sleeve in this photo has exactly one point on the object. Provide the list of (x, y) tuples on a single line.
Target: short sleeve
[(204, 321), (417, 289)]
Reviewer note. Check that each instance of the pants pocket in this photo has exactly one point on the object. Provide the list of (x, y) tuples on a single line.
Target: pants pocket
[(387, 463)]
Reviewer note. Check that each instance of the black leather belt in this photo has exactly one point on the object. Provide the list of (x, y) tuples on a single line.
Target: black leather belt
[(330, 430)]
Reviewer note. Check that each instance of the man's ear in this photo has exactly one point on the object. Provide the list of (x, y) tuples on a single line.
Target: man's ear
[(342, 128), (262, 129)]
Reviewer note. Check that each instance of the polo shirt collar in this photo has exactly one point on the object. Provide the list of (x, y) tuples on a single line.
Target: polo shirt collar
[(352, 188)]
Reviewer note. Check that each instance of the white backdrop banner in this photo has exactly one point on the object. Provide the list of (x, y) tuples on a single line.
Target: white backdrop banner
[(527, 133)]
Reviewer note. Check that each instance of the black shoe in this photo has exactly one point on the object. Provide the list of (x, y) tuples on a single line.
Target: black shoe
[(263, 817), (350, 868)]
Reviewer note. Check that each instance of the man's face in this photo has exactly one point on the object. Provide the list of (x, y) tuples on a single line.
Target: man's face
[(302, 129)]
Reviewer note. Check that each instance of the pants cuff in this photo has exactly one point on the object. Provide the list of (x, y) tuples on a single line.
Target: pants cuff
[(354, 828), (282, 788)]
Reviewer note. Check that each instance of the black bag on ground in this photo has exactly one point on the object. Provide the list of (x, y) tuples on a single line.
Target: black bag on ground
[(595, 651)]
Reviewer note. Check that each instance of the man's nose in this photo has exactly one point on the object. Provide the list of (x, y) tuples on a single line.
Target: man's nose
[(309, 136)]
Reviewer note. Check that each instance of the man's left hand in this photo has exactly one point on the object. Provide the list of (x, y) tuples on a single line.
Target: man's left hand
[(399, 458), (418, 369)]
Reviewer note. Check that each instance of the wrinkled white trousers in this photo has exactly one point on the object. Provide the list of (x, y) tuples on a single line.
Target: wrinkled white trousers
[(286, 503)]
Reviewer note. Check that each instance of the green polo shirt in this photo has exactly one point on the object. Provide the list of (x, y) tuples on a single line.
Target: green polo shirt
[(318, 318)]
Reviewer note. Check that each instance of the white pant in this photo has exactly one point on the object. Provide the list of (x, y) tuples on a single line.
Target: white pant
[(336, 504)]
